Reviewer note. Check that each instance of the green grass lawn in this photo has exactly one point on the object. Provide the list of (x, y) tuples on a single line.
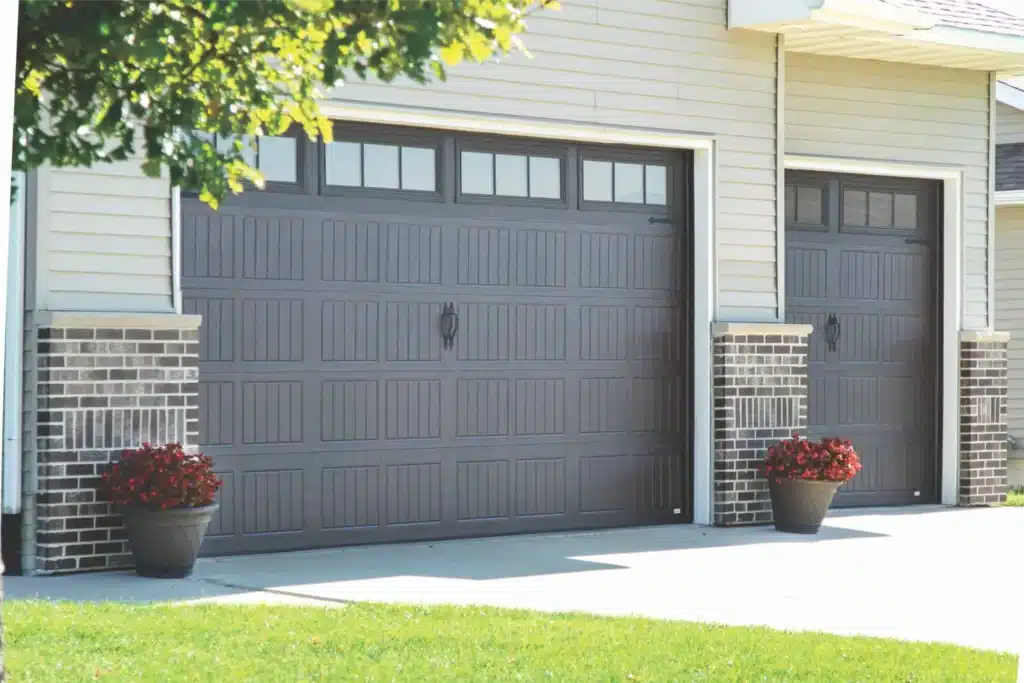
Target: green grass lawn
[(107, 642), (1015, 498)]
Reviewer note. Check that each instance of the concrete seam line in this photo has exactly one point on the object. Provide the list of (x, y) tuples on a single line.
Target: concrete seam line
[(276, 591)]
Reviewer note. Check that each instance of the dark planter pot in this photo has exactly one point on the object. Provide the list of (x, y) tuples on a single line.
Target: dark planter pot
[(165, 543), (799, 506)]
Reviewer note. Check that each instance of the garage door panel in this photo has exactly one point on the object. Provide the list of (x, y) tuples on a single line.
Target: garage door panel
[(877, 386), (336, 415)]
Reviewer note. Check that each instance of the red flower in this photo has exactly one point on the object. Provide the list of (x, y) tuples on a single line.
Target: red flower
[(830, 459), (162, 478)]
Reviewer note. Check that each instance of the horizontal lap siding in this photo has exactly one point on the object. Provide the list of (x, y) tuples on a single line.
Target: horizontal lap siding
[(1009, 260), (654, 64), (108, 239), (1009, 124), (900, 113)]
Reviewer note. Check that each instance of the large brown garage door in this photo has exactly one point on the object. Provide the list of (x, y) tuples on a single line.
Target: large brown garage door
[(416, 335), (861, 254)]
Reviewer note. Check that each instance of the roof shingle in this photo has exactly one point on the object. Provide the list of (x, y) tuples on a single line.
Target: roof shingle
[(1010, 167), (966, 14)]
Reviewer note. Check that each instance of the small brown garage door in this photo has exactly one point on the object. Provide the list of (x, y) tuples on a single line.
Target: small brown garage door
[(862, 252), (338, 411)]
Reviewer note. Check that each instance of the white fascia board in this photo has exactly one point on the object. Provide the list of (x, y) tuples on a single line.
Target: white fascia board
[(1010, 198), (1009, 95), (951, 36), (870, 15)]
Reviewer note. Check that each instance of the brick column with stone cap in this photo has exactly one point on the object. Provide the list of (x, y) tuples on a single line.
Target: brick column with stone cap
[(760, 396), (103, 383), (983, 406)]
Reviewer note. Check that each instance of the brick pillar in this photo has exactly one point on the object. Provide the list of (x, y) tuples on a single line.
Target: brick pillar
[(983, 396), (105, 383), (760, 396)]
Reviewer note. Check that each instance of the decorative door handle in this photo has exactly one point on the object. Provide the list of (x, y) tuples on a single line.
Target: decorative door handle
[(449, 325), (832, 331)]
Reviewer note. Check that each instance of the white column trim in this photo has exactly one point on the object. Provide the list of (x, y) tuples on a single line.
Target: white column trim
[(704, 147), (780, 178), (990, 263), (952, 289), (176, 299)]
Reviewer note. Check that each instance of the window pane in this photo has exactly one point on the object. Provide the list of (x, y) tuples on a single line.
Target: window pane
[(809, 206), (656, 185), (545, 178), (279, 159), (419, 169), (629, 183), (855, 207), (476, 173), (225, 144), (880, 210), (380, 166), (790, 204), (597, 181), (510, 175), (906, 212), (344, 164)]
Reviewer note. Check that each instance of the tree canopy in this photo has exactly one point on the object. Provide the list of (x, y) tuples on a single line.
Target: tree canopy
[(94, 74)]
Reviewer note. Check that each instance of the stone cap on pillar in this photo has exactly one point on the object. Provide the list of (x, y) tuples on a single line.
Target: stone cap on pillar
[(984, 336), (765, 329)]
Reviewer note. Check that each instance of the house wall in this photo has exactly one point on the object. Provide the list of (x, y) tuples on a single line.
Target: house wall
[(901, 113), (1009, 260), (1009, 124), (102, 240), (668, 65)]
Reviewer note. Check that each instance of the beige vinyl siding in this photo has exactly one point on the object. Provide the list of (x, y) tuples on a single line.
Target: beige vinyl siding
[(1010, 305), (901, 113), (1009, 124), (654, 64), (105, 240)]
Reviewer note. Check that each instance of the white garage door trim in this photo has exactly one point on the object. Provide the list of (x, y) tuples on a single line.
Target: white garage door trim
[(952, 243)]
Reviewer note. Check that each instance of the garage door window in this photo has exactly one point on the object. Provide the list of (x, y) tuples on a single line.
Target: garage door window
[(491, 174), (373, 165), (625, 183), (276, 157)]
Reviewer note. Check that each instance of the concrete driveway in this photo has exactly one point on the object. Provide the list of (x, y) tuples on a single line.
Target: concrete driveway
[(913, 573)]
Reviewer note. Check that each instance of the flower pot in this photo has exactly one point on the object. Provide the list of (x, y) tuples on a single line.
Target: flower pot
[(799, 505), (165, 543)]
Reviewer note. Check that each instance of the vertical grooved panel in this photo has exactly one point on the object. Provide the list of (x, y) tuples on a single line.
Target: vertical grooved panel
[(657, 405), (483, 490), (349, 410), (208, 246), (860, 338), (350, 252), (603, 405), (540, 406), (858, 275), (217, 333), (604, 483), (604, 332), (413, 409), (806, 273), (656, 333), (271, 412), (656, 262), (413, 331), (272, 330), (540, 258), (349, 331), (414, 493), (223, 522), (349, 497), (482, 407), (540, 332), (273, 501), (272, 248), (483, 332), (216, 413), (484, 256), (604, 260), (413, 254), (540, 487)]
